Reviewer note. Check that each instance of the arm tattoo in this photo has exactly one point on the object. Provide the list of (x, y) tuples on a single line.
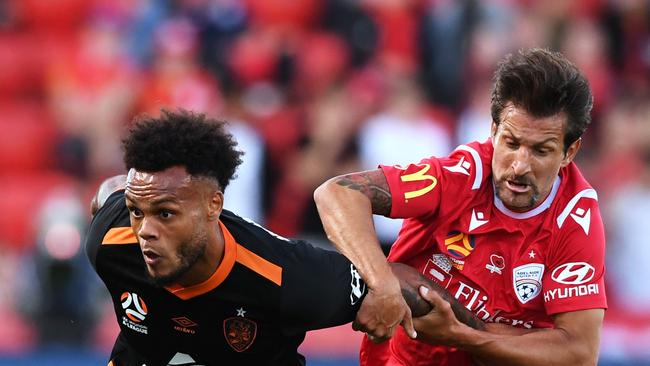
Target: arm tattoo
[(373, 185)]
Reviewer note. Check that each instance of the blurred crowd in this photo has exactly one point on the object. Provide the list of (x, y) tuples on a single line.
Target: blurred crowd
[(311, 89)]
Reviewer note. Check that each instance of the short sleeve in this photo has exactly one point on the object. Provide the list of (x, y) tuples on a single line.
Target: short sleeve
[(576, 267), (424, 188), (320, 288)]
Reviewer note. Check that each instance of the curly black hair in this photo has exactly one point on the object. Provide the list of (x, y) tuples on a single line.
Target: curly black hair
[(182, 138), (544, 83)]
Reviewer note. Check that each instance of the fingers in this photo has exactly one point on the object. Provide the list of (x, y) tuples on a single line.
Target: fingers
[(356, 326), (407, 323), (438, 304), (376, 334), (377, 340), (431, 297)]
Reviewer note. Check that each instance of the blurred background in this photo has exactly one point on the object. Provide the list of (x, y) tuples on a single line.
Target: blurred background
[(312, 89)]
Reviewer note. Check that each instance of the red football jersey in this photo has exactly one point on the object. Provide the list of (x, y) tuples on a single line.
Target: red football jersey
[(506, 267)]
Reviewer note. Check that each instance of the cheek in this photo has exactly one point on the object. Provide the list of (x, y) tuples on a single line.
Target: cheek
[(546, 171), (500, 162)]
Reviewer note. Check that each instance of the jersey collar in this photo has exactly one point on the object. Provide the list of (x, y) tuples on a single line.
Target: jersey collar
[(534, 212)]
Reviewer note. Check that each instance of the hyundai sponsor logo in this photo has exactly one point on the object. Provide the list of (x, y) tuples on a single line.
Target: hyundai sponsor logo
[(573, 273)]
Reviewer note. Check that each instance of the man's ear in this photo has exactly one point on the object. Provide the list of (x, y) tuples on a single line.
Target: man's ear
[(215, 205), (571, 152), (493, 130)]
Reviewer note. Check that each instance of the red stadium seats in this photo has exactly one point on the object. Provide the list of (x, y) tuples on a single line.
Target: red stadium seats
[(27, 138), (23, 196)]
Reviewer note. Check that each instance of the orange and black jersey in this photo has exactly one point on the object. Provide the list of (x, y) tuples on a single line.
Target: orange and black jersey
[(254, 310)]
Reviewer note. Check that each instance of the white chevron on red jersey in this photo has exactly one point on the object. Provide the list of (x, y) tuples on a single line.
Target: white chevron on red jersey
[(505, 266)]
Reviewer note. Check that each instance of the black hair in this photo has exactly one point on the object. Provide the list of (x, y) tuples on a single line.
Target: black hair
[(182, 138), (543, 83)]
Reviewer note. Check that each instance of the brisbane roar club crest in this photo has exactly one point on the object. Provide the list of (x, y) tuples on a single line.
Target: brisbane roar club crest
[(240, 332)]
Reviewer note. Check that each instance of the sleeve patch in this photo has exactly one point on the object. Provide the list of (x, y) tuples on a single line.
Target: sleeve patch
[(419, 176)]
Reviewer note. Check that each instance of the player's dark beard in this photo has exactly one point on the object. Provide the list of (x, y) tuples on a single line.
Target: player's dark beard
[(188, 253), (534, 198)]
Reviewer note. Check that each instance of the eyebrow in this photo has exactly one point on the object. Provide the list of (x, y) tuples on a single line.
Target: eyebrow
[(157, 202), (512, 136)]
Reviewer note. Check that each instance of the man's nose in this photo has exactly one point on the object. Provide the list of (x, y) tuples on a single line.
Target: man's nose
[(521, 163), (147, 229)]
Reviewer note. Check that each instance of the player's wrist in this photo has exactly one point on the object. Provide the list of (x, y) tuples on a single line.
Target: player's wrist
[(386, 284), (382, 280), (468, 338)]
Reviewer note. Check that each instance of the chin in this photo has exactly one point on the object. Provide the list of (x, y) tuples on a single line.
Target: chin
[(160, 280), (517, 203), (521, 204)]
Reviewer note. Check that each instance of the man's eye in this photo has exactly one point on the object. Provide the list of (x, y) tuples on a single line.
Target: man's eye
[(166, 214), (135, 212), (511, 144)]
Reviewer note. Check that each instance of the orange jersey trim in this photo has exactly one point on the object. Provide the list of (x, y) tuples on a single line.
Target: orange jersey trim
[(228, 261), (259, 265), (120, 235)]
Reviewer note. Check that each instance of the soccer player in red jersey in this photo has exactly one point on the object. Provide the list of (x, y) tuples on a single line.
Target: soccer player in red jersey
[(508, 226)]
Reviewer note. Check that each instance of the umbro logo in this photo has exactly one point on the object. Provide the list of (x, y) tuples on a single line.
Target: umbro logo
[(583, 218), (184, 325), (477, 220), (462, 167)]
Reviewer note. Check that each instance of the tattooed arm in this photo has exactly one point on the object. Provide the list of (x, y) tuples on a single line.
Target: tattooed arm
[(346, 204)]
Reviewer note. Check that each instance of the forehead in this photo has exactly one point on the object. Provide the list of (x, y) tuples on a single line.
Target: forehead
[(173, 182), (519, 124)]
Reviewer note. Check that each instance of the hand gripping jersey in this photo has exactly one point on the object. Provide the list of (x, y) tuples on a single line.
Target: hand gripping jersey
[(506, 267), (254, 310)]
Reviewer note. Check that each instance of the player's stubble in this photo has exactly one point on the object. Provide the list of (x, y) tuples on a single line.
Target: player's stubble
[(510, 198), (187, 254)]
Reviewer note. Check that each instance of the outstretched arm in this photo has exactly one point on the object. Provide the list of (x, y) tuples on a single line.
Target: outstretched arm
[(574, 340), (346, 204), (106, 188)]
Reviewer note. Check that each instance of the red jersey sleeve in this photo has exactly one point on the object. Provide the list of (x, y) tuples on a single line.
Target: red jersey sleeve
[(435, 184), (576, 266), (415, 189)]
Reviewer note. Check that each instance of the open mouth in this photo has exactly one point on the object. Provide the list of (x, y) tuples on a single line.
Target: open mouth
[(150, 257), (517, 187)]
